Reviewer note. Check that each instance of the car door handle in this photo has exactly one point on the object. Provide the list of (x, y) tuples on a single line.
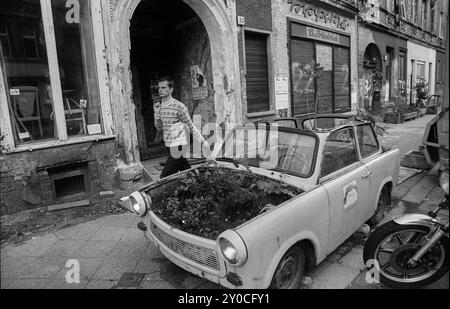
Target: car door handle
[(366, 175)]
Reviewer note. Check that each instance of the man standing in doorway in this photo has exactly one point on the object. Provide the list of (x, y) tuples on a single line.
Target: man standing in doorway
[(172, 117)]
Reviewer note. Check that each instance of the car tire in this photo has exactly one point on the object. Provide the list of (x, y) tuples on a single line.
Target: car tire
[(383, 201), (290, 270)]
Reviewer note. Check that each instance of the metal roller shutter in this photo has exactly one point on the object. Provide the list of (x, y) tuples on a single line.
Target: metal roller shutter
[(303, 87), (257, 72), (342, 79)]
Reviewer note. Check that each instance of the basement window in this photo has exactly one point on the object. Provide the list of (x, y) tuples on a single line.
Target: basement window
[(69, 180)]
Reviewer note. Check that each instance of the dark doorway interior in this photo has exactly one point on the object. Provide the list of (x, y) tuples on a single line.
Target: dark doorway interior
[(167, 38)]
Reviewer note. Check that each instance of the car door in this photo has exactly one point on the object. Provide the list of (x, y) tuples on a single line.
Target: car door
[(345, 179), (379, 165)]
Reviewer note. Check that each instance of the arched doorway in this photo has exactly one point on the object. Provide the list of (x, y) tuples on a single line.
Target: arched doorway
[(372, 78), (218, 21), (169, 39)]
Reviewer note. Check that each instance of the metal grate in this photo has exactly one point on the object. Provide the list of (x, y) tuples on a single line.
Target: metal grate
[(204, 256)]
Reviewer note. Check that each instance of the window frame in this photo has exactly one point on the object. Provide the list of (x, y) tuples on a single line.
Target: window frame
[(368, 157), (323, 178), (61, 136), (271, 110)]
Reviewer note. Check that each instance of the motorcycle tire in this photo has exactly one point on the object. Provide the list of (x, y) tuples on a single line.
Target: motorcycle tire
[(391, 228)]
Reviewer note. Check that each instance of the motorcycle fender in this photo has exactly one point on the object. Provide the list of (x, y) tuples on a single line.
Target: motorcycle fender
[(417, 219)]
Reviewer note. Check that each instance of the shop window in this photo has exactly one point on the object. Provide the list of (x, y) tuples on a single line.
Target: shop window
[(27, 71), (76, 59), (420, 77), (332, 89), (257, 72), (50, 70)]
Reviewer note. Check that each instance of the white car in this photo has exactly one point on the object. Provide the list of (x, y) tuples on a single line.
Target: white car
[(338, 179)]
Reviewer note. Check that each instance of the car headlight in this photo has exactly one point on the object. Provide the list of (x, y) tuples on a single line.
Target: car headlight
[(138, 202), (232, 248)]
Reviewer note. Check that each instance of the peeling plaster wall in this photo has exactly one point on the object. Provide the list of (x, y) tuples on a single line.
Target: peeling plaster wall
[(194, 43), (219, 18), (24, 182)]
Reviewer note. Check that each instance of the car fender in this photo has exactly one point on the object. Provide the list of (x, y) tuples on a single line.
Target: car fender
[(304, 235), (383, 183)]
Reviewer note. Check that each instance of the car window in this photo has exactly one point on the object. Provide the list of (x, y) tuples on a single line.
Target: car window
[(324, 123), (288, 123), (288, 152), (339, 151), (367, 140)]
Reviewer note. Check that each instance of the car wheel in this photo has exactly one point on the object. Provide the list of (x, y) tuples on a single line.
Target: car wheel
[(383, 201), (290, 270)]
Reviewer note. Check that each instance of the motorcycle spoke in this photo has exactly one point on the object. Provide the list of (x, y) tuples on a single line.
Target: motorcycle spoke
[(385, 266), (398, 238), (414, 238), (386, 250)]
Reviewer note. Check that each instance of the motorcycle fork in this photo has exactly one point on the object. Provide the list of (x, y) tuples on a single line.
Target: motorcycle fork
[(435, 237)]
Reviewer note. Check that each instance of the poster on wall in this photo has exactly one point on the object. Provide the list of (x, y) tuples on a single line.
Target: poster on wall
[(324, 56), (282, 92), (199, 83)]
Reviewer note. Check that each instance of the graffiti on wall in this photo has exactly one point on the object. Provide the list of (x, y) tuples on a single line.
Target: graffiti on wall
[(319, 15)]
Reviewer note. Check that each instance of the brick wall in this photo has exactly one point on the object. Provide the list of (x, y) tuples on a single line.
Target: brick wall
[(25, 183)]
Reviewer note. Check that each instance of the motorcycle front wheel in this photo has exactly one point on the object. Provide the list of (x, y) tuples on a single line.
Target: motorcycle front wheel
[(392, 246)]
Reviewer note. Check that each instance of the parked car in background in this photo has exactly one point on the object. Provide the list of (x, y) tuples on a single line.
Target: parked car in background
[(333, 180)]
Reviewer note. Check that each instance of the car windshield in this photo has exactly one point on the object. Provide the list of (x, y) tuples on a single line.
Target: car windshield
[(324, 123), (272, 149)]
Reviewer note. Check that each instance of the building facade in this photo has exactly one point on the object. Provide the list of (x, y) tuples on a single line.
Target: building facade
[(401, 44), (78, 79), (77, 88)]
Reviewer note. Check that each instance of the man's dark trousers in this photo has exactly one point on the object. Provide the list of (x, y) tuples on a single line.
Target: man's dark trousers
[(177, 164)]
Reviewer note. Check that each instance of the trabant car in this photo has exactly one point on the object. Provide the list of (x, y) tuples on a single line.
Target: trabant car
[(343, 179)]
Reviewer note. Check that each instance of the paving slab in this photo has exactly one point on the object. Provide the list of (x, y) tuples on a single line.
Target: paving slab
[(101, 284), (353, 259), (13, 267), (421, 190), (147, 266), (113, 268), (95, 249), (66, 248), (33, 247), (5, 282), (334, 276), (115, 221), (81, 232), (153, 252), (108, 233), (88, 266), (44, 268), (129, 248), (132, 233), (28, 284), (59, 283)]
